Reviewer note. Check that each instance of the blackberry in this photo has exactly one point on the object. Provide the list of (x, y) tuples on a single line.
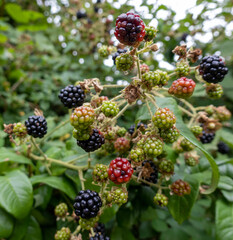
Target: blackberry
[(132, 127), (144, 68), (166, 167), (120, 170), (186, 145), (122, 145), (61, 210), (72, 96), (161, 200), (163, 77), (20, 130), (124, 62), (95, 141), (207, 137), (169, 135), (100, 173), (109, 108), (223, 148), (196, 130), (118, 53), (121, 132), (88, 223), (63, 234), (99, 236), (100, 228), (103, 51), (222, 114), (81, 14), (149, 171), (36, 126), (137, 154), (164, 118), (150, 79), (150, 33), (191, 159), (180, 188), (213, 69), (153, 146), (87, 204), (117, 196), (97, 102), (214, 91), (83, 134), (182, 69), (130, 29)]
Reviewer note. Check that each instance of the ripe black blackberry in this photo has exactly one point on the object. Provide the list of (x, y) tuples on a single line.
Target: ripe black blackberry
[(132, 127), (36, 126), (95, 141), (100, 228), (207, 137), (72, 96), (99, 237), (81, 14), (149, 166), (118, 53), (87, 204), (213, 69), (223, 148)]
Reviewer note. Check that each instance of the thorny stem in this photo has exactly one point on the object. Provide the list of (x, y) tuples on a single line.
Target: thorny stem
[(77, 230), (138, 66), (188, 105), (200, 108), (186, 111), (148, 106), (80, 173), (117, 97), (77, 158), (152, 100), (120, 113), (38, 148)]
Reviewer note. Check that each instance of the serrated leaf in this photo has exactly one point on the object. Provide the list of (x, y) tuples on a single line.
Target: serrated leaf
[(224, 220), (16, 195)]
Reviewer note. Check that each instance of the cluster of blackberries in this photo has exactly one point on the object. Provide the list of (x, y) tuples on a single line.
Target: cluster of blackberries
[(207, 137), (223, 148), (36, 126)]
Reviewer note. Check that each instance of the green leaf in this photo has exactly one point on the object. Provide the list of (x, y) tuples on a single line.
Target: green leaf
[(170, 103), (225, 183), (60, 183), (8, 155), (33, 230), (224, 220), (20, 229), (122, 233), (3, 38), (6, 220), (108, 214), (180, 207), (16, 195)]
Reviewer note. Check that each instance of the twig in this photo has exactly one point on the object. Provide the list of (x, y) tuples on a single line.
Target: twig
[(120, 113), (148, 106), (138, 66), (80, 173), (186, 111)]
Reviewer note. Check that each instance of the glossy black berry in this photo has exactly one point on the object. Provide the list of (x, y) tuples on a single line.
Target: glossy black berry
[(223, 148), (81, 14), (99, 237), (100, 228), (36, 126), (213, 69), (87, 204), (207, 137), (132, 127), (150, 166), (95, 141), (72, 96), (118, 53)]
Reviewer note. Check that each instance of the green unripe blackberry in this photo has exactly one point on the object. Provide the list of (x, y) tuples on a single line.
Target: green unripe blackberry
[(163, 77), (82, 117), (109, 109), (20, 130), (164, 118), (196, 130), (88, 223), (121, 132), (153, 147), (191, 161), (169, 135), (150, 33), (61, 210), (137, 154), (124, 62), (214, 91), (63, 234), (166, 167), (82, 135), (117, 196), (186, 145), (161, 200), (222, 114), (109, 146), (100, 173), (150, 79), (182, 69), (103, 51), (209, 110)]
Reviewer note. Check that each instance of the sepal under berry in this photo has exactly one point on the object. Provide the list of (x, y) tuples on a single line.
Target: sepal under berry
[(122, 145)]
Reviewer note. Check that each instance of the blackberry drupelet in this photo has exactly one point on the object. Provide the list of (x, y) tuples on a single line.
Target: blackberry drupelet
[(213, 69), (118, 53), (99, 237), (130, 29), (207, 137), (223, 148), (72, 96), (100, 228), (132, 127), (149, 166), (36, 126), (95, 141), (87, 204), (180, 188)]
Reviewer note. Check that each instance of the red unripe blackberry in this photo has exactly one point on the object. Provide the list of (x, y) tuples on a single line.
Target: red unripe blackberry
[(214, 91), (161, 200), (72, 96), (130, 29), (169, 135), (82, 117), (122, 145), (87, 204), (164, 118), (95, 141), (36, 126), (180, 188), (120, 170), (213, 69), (182, 88)]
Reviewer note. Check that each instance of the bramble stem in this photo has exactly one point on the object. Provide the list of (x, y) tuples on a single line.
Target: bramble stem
[(200, 108), (89, 160), (113, 86), (77, 158), (188, 105), (148, 106), (186, 111), (77, 230), (138, 66), (152, 100), (54, 130), (38, 148), (80, 173), (172, 74), (120, 113), (117, 97)]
